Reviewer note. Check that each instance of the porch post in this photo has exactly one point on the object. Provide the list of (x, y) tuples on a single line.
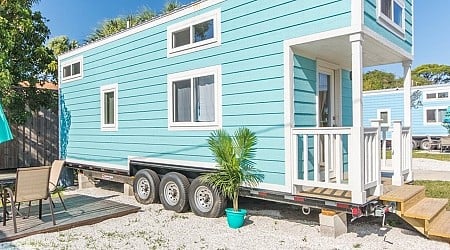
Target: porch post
[(407, 117), (397, 153), (356, 150), (376, 123)]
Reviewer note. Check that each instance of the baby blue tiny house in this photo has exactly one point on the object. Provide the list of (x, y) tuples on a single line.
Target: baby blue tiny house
[(428, 108), (144, 101)]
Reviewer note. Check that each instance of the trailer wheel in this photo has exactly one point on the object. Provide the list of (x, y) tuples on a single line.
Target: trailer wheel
[(173, 192), (206, 201), (425, 144), (145, 186)]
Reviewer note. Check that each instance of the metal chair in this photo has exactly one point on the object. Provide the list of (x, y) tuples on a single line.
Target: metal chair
[(32, 184), (54, 178)]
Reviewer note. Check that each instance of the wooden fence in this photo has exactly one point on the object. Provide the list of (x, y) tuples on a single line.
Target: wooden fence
[(34, 144)]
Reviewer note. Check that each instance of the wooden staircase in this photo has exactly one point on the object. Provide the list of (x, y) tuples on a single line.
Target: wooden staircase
[(427, 215)]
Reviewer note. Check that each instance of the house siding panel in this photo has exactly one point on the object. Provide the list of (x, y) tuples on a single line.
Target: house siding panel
[(251, 56)]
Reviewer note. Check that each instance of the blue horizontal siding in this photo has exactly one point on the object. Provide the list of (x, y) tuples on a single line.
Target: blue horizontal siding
[(251, 55)]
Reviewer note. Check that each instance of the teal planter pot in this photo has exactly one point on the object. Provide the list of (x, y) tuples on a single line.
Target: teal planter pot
[(235, 219)]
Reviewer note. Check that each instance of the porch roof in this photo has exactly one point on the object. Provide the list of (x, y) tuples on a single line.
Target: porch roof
[(337, 50)]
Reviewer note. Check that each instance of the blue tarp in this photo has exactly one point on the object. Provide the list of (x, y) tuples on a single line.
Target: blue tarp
[(5, 131)]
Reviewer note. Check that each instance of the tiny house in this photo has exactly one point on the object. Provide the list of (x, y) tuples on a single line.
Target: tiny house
[(428, 107), (142, 103)]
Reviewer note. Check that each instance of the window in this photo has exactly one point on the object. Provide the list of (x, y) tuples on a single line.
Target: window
[(391, 13), (109, 107), (438, 95), (385, 116), (72, 70), (195, 99), (197, 33), (435, 115)]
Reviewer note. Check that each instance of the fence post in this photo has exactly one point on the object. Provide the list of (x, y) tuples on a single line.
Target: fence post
[(376, 123), (397, 178)]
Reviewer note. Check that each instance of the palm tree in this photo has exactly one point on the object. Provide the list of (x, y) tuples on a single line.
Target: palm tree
[(234, 156), (171, 6)]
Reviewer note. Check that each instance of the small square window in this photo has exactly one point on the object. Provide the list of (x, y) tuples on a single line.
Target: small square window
[(385, 116), (181, 37), (72, 70), (204, 31), (431, 116), (391, 13), (109, 106), (431, 95), (435, 115), (443, 95)]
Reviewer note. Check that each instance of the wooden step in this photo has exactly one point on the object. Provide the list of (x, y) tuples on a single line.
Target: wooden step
[(441, 226), (426, 208), (402, 193)]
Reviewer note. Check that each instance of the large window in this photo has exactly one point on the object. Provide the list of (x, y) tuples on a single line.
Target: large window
[(72, 69), (385, 116), (392, 14), (195, 99), (434, 115), (194, 34), (108, 100)]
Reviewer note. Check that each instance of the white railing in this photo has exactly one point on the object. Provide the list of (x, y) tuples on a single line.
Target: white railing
[(383, 138), (322, 156), (372, 160), (401, 154)]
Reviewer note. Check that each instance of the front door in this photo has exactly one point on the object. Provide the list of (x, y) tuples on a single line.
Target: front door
[(328, 111)]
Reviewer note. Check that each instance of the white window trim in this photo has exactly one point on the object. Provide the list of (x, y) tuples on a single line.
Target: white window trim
[(425, 122), (388, 22), (437, 94), (217, 124), (191, 47), (106, 89), (72, 77), (379, 111)]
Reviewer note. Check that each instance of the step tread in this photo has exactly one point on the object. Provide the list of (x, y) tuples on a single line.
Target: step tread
[(441, 227), (426, 208), (402, 193)]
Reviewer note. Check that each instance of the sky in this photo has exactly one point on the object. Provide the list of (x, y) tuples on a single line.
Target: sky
[(78, 18)]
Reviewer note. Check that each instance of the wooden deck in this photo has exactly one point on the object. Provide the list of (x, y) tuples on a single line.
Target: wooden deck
[(81, 210)]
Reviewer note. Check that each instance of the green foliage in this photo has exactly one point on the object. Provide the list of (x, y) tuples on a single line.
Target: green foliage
[(24, 58), (427, 74), (170, 6), (59, 45), (377, 79), (234, 156)]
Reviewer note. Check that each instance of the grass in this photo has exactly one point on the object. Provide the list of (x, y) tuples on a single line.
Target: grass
[(424, 154), (436, 189)]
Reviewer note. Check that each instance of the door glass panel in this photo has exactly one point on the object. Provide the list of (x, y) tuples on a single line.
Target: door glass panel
[(324, 100)]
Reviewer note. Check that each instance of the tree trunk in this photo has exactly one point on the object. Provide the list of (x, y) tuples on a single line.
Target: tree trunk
[(236, 201)]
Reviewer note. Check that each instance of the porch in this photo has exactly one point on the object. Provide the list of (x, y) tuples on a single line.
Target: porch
[(81, 210), (329, 148)]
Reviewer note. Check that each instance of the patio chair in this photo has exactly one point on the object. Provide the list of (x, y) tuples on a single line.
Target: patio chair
[(54, 178), (31, 185)]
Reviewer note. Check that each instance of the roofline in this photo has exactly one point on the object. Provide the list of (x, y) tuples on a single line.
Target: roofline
[(424, 87), (185, 10)]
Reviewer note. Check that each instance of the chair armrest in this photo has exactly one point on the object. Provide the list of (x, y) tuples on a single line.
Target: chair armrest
[(11, 195)]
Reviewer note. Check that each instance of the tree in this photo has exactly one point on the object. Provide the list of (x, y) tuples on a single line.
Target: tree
[(24, 58), (170, 6), (112, 26), (59, 45), (431, 74), (377, 79)]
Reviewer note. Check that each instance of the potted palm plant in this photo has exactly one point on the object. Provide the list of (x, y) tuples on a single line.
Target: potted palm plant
[(233, 155)]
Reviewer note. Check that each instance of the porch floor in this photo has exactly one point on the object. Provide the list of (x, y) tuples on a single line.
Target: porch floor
[(81, 210), (342, 195)]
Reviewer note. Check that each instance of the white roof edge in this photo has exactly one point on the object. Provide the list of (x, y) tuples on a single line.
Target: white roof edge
[(185, 10), (424, 87)]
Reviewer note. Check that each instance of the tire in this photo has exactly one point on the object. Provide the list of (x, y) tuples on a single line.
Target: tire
[(146, 186), (206, 201), (425, 144), (173, 192)]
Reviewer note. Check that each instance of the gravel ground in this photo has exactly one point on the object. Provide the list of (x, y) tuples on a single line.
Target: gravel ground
[(269, 226)]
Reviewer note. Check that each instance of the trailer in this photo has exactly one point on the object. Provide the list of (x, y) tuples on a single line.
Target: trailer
[(429, 106), (138, 107)]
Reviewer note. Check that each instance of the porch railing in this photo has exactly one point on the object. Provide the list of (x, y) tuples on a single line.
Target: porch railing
[(401, 154)]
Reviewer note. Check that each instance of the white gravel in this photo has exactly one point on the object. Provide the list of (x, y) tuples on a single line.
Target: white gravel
[(269, 226)]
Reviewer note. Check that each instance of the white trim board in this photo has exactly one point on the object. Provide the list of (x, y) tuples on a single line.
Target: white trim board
[(196, 164), (152, 23), (98, 164)]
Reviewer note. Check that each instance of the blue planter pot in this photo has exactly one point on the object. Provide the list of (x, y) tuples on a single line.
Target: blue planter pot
[(235, 219)]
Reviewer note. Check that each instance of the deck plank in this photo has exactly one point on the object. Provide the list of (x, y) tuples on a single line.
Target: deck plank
[(402, 193), (427, 208), (81, 210), (441, 228)]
